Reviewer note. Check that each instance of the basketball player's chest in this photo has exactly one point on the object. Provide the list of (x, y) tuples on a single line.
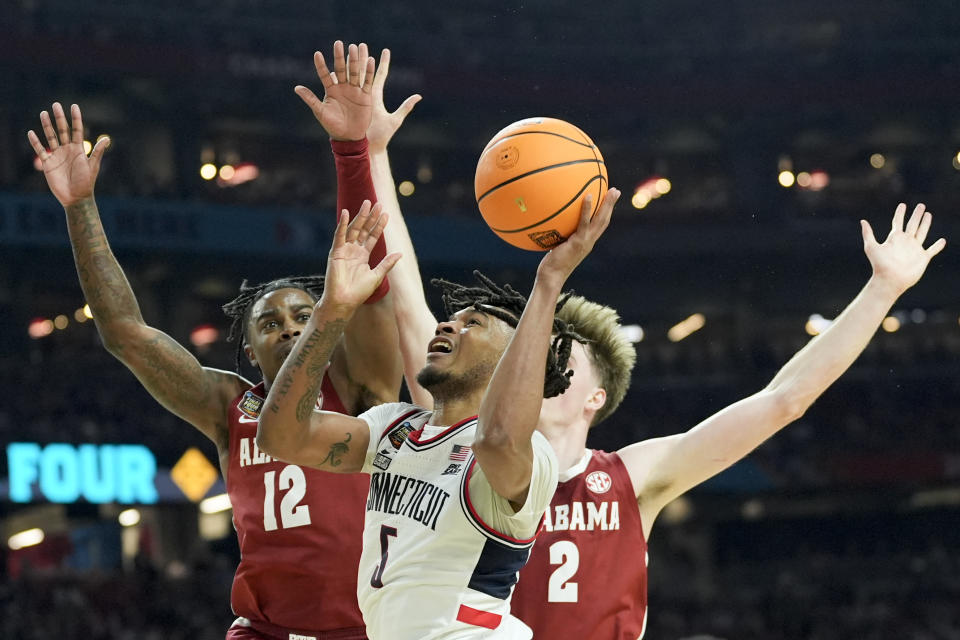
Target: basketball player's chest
[(421, 486)]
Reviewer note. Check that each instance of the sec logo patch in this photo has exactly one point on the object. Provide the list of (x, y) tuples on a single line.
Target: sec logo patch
[(599, 482)]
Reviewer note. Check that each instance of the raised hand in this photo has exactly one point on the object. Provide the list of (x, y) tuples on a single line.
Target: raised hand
[(384, 124), (350, 280), (563, 259), (346, 108), (901, 259), (70, 174)]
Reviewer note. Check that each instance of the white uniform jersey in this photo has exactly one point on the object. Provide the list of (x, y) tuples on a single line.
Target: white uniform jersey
[(441, 550)]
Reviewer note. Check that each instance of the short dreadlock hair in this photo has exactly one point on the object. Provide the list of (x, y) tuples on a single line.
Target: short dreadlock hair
[(238, 309), (507, 304), (609, 350)]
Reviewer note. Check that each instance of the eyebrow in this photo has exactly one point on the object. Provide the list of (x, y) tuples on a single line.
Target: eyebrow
[(274, 311), (468, 312)]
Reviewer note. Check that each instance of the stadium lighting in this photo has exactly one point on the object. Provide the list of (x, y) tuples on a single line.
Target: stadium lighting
[(80, 316), (406, 188), (226, 172), (87, 312), (786, 179), (684, 328), (632, 332), (87, 147), (27, 538), (804, 179), (208, 171), (40, 328), (877, 161), (890, 324), (129, 517), (817, 324), (61, 321), (203, 335), (215, 504)]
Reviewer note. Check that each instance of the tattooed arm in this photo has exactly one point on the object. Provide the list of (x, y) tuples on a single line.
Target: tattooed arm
[(168, 371), (289, 427)]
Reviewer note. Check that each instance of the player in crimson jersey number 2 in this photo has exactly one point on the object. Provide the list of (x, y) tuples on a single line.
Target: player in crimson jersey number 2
[(586, 577), (299, 529)]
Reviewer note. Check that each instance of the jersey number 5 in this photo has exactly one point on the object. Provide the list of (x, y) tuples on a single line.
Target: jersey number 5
[(292, 513), (566, 554)]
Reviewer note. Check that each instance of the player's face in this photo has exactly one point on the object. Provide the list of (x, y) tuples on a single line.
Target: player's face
[(276, 321), (464, 352), (581, 399)]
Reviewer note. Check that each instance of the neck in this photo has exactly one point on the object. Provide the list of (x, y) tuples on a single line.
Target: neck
[(569, 441), (448, 411)]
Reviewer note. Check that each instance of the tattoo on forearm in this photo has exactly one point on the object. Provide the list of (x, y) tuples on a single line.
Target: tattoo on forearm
[(337, 451), (313, 352), (104, 286), (172, 375)]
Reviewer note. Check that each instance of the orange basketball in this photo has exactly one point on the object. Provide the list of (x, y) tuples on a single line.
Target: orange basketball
[(532, 178)]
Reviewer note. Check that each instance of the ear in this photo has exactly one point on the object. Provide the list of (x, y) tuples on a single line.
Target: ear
[(248, 351), (596, 400)]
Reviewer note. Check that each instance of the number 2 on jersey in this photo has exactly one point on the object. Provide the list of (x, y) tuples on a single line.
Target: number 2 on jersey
[(566, 554), (292, 513)]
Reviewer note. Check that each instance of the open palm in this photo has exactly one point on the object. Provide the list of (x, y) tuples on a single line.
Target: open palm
[(350, 280), (901, 259), (70, 174), (347, 104)]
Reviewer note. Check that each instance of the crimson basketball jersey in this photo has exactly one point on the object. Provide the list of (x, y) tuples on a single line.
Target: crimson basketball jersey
[(300, 532), (587, 573)]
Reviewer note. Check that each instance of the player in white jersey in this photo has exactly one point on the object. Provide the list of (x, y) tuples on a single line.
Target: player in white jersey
[(457, 494)]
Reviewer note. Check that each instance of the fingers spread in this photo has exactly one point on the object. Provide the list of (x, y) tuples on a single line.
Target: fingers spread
[(340, 235), (310, 98), (48, 131), (380, 224), (383, 70), (898, 214), (914, 223), (368, 75), (97, 154), (404, 109), (339, 62), (77, 124), (924, 227), (936, 247), (867, 231), (353, 65), (63, 130), (326, 78), (37, 147)]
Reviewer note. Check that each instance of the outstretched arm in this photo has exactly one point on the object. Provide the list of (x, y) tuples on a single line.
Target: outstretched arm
[(170, 373), (665, 468), (511, 405), (371, 371), (289, 428), (415, 321)]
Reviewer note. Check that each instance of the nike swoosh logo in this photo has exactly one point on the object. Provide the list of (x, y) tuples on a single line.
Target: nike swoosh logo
[(246, 420)]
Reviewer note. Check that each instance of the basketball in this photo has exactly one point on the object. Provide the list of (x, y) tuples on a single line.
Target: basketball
[(532, 178)]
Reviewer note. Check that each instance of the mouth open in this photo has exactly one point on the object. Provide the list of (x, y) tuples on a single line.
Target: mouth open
[(439, 346)]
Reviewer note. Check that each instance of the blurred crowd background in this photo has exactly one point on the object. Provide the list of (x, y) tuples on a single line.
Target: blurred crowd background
[(748, 139)]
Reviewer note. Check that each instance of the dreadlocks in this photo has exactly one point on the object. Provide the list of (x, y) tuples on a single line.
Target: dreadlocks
[(507, 304), (238, 309)]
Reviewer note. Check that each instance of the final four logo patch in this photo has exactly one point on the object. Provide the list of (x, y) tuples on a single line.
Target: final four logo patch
[(400, 434), (250, 405)]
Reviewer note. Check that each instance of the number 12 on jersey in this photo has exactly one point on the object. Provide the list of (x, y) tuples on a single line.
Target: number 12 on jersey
[(292, 513)]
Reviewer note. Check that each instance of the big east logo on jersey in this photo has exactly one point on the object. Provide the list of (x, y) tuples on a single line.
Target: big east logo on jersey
[(599, 482)]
